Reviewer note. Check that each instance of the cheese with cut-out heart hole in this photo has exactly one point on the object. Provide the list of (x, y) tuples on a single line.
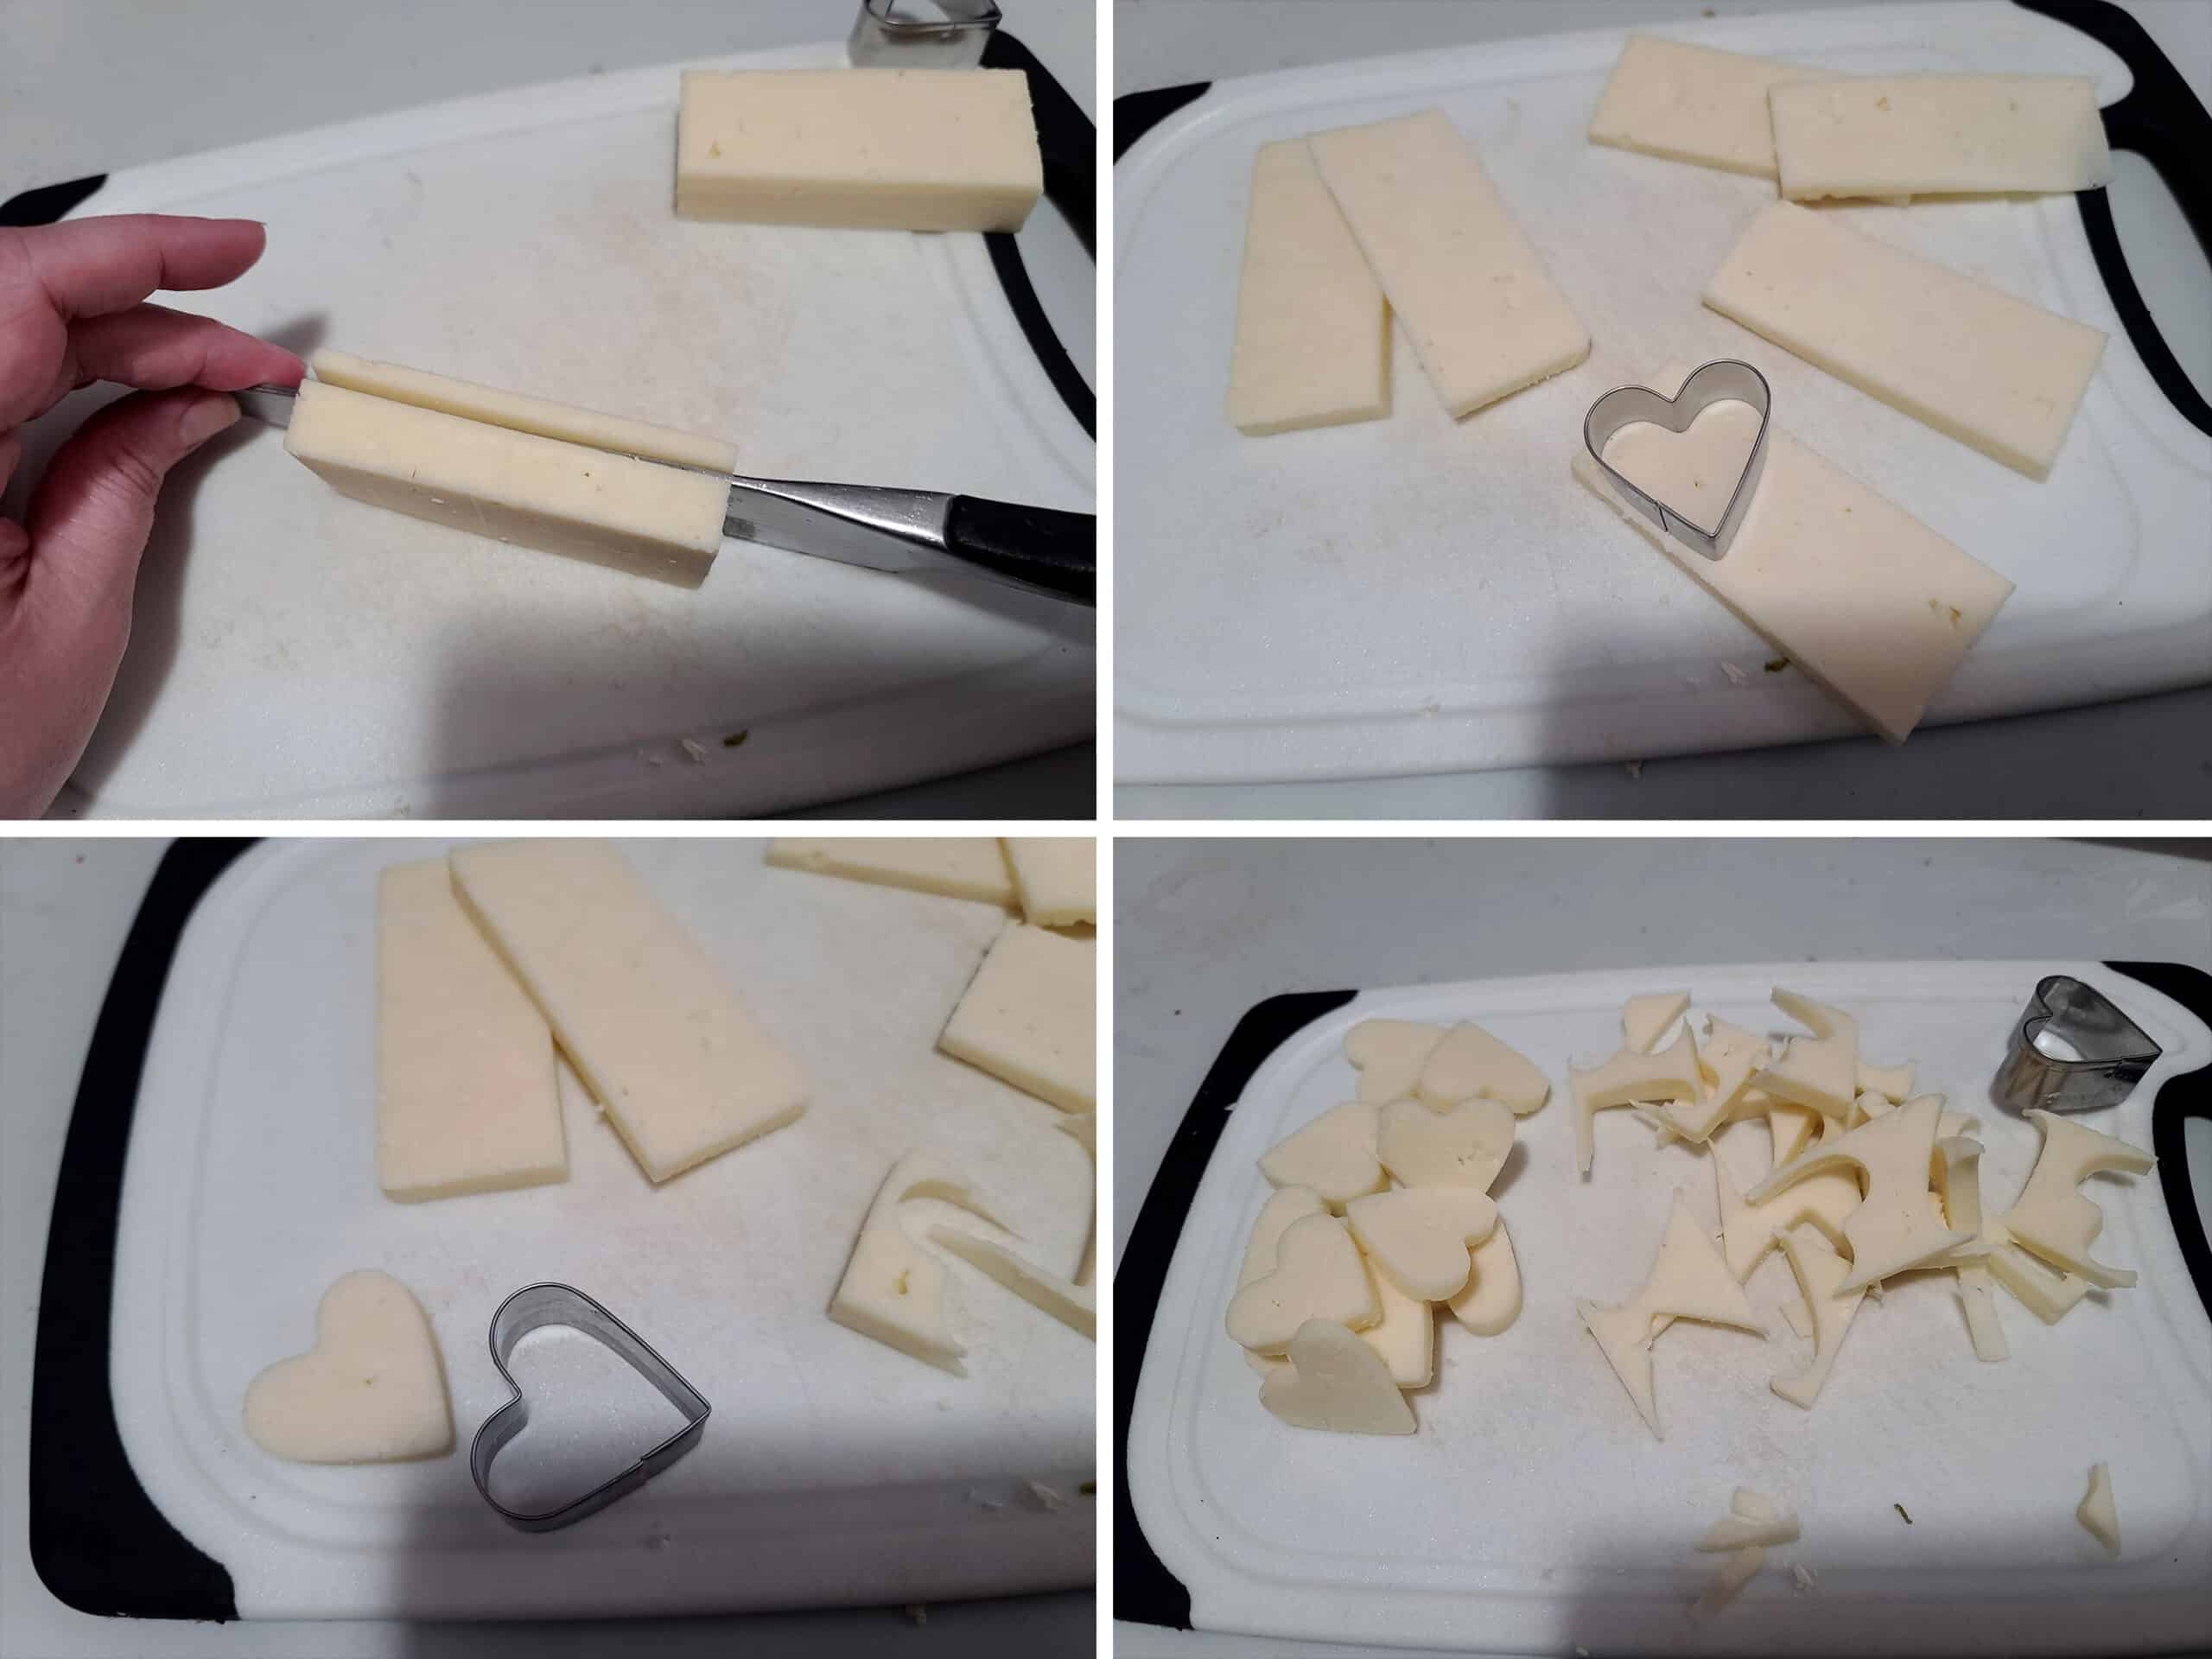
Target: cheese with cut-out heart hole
[(1821, 1070), (1420, 1236), (893, 1290), (1319, 1274), (1644, 1019), (1823, 1279), (1469, 1063), (1336, 1381), (1672, 1075), (1897, 136), (371, 1390), (2050, 1217), (1748, 1232), (1891, 1230), (1335, 1155), (1687, 103)]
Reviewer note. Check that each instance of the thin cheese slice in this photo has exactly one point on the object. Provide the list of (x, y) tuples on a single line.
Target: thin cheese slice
[(1868, 602), (466, 1097), (1484, 316), (1692, 104), (1904, 136), (638, 516), (684, 1072), (1313, 329), (907, 149), (1997, 374), (959, 866), (1073, 1304), (518, 413), (893, 1291), (1030, 1016), (1057, 877)]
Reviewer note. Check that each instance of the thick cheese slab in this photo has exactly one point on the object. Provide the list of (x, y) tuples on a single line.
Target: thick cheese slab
[(1906, 136), (466, 1097), (1312, 328), (1057, 877), (514, 487), (1030, 1016), (1866, 600), (682, 1071), (906, 149), (518, 413), (1692, 104), (1996, 373), (959, 866), (1485, 317)]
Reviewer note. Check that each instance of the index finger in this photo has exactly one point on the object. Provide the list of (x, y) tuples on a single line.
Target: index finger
[(89, 267)]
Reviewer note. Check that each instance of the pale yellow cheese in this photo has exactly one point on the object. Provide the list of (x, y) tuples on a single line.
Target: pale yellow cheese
[(1335, 1382), (1644, 1019), (665, 522), (2051, 1217), (1030, 1016), (1388, 1055), (683, 1070), (371, 1390), (2098, 1513), (1995, 372), (1405, 1336), (1057, 877), (1420, 1237), (1313, 329), (1692, 104), (1335, 1155), (893, 1292), (911, 149), (1904, 136), (1073, 1304), (1485, 317), (466, 1097), (1491, 1301), (1821, 1070), (1319, 1274), (1469, 1063), (958, 866), (1628, 1077), (1464, 1144), (1823, 1278), (1892, 1230)]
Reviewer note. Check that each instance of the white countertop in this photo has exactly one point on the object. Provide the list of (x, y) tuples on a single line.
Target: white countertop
[(1204, 929), (2147, 758)]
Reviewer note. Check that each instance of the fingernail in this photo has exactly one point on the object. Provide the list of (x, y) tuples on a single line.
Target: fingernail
[(206, 417)]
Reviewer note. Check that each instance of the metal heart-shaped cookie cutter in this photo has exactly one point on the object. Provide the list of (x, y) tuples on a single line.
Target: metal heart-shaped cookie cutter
[(535, 1306), (1726, 379), (2114, 1052)]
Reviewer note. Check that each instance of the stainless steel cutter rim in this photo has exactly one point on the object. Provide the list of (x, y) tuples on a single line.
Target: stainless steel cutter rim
[(884, 34), (544, 1303), (2115, 1051), (1726, 379)]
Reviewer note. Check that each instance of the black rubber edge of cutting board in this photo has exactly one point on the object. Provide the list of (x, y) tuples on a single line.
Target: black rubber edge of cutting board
[(1069, 146), (1145, 1592), (2160, 120), (97, 1540), (2180, 1098), (49, 202), (1137, 113)]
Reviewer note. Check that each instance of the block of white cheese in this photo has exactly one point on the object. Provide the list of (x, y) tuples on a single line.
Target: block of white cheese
[(638, 516), (893, 1291), (1057, 878), (958, 866), (1692, 104), (876, 149), (1869, 602), (1336, 1381), (1485, 317), (1993, 372), (1313, 329), (615, 433), (466, 1097), (1030, 1016), (684, 1072), (1902, 136), (371, 1390)]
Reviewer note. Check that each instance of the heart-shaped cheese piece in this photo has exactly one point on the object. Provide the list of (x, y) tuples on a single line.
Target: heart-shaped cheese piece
[(1491, 1301), (1318, 1274), (1420, 1235), (1469, 1063), (1336, 1381), (1334, 1155), (1464, 1144), (1388, 1054), (371, 1390)]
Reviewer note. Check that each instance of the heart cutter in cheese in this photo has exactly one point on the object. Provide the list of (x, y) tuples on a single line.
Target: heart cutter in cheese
[(1073, 1304), (1318, 1274), (1820, 1275), (2098, 1512), (1336, 1381), (1688, 1280), (1491, 1301), (371, 1390), (1626, 1078), (1469, 1063), (1334, 1155), (1644, 1019), (1388, 1055), (1748, 1232), (893, 1291), (1464, 1144), (955, 866), (1821, 1070), (1421, 1236), (2055, 1221), (1892, 1230)]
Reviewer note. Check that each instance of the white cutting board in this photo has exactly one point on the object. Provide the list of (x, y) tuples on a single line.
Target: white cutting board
[(833, 1470), (1533, 1511), (297, 653), (1412, 595)]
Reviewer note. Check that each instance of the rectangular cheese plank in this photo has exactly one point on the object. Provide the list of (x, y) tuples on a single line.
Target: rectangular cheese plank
[(959, 866), (1312, 328), (1996, 373), (515, 487), (909, 149), (1030, 1016), (1692, 104), (1867, 601), (518, 413), (1484, 316), (466, 1099), (1906, 136), (684, 1072), (1057, 877)]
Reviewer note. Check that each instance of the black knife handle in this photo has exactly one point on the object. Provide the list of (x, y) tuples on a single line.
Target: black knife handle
[(1041, 548)]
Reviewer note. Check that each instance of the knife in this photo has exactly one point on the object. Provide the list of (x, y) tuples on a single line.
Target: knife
[(1044, 549)]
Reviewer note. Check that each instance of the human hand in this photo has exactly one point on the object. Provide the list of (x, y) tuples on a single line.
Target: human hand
[(73, 312)]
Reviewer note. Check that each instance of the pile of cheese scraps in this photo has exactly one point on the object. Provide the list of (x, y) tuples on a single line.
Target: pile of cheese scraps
[(1382, 1209), (1867, 1182)]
